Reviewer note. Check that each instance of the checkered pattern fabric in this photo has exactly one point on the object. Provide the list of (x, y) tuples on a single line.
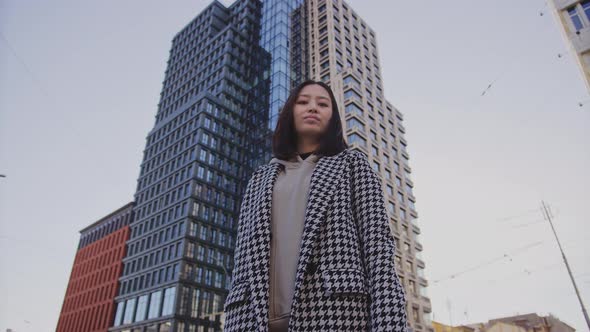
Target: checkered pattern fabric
[(346, 279)]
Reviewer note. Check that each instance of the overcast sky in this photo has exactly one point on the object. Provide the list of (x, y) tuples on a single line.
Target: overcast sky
[(79, 85)]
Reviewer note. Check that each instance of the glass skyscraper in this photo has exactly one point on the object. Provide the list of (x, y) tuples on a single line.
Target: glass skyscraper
[(230, 70), (197, 160)]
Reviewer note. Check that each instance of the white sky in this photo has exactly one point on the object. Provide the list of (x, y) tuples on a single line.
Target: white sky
[(79, 85)]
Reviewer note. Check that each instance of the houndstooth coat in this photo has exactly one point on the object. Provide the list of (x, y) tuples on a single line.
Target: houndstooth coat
[(346, 279)]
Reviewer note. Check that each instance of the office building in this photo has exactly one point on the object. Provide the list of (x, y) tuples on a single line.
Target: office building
[(89, 300), (343, 52), (197, 160)]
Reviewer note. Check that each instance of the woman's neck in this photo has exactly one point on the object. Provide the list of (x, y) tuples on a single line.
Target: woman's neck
[(305, 147)]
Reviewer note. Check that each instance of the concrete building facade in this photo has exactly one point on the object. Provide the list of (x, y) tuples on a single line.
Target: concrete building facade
[(573, 17), (520, 323), (342, 51)]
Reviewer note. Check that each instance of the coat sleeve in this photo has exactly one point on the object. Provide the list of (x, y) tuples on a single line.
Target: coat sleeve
[(388, 301), (240, 256)]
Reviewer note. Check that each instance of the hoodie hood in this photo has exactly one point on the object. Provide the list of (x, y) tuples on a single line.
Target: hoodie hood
[(296, 162)]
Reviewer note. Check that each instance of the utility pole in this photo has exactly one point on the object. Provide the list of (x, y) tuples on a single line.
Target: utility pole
[(450, 312), (547, 215)]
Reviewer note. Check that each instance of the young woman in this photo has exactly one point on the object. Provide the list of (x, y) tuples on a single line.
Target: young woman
[(314, 250)]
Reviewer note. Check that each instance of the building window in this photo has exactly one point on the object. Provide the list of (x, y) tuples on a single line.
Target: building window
[(119, 313), (376, 167), (391, 207), (586, 7), (195, 303), (415, 315), (208, 277), (355, 138), (141, 308), (375, 151), (409, 266), (352, 95), (354, 123), (168, 306), (353, 81), (218, 279), (573, 12), (129, 310), (354, 109), (155, 304), (389, 190), (413, 287)]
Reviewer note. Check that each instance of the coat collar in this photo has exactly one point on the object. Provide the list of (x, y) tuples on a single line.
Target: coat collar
[(324, 179)]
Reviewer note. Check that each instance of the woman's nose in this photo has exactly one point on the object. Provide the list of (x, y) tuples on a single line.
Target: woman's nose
[(312, 105)]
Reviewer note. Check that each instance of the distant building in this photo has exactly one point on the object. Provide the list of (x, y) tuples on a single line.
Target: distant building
[(89, 304), (574, 19), (439, 327), (520, 323), (534, 322)]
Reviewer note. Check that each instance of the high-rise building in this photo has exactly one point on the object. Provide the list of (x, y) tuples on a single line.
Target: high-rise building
[(230, 70), (573, 17), (89, 301), (341, 50), (208, 129)]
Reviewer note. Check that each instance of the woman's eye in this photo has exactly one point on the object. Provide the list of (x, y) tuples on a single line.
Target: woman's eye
[(301, 102), (324, 105)]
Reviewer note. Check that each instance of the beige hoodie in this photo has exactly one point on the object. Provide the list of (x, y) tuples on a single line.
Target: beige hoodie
[(289, 201)]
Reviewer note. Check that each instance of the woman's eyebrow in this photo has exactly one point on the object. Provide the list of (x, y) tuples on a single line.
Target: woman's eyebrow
[(319, 97)]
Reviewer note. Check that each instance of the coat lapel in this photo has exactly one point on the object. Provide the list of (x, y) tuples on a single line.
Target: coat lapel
[(323, 181)]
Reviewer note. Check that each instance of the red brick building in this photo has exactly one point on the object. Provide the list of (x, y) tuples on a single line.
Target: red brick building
[(88, 304)]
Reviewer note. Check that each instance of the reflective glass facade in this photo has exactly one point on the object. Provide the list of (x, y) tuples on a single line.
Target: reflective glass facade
[(177, 270), (277, 32)]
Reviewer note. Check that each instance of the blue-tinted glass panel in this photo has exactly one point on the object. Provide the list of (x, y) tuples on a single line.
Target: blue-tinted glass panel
[(575, 18)]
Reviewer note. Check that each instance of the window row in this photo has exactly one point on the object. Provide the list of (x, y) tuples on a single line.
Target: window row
[(219, 179), (150, 279), (210, 234), (149, 306), (107, 227), (198, 303), (206, 276), (156, 257), (214, 215), (172, 213)]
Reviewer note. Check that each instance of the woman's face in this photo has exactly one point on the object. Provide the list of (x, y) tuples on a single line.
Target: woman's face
[(312, 111)]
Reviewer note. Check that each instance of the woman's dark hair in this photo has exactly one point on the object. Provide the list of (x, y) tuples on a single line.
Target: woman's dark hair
[(284, 139)]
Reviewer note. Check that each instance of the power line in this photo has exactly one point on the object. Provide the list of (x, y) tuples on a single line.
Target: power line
[(508, 255), (520, 215)]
